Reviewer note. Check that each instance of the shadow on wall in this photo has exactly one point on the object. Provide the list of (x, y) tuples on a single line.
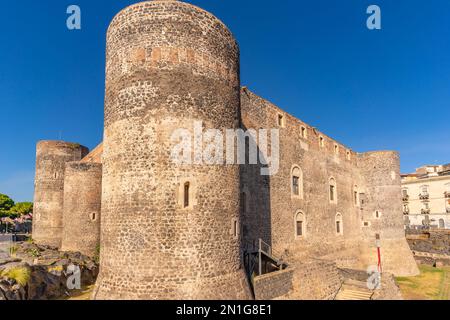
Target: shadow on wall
[(255, 199)]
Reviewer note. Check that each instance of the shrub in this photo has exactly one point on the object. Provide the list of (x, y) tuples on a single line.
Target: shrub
[(20, 274)]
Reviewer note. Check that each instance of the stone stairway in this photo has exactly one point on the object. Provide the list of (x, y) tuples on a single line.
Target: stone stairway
[(354, 290)]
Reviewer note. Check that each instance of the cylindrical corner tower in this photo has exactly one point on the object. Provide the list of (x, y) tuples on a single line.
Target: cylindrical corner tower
[(168, 231), (381, 171), (51, 158), (82, 203)]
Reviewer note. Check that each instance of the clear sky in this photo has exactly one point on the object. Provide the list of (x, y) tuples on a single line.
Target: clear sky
[(371, 90)]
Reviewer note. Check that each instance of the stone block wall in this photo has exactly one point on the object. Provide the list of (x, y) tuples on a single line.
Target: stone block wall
[(367, 196), (315, 280), (82, 204), (273, 285), (272, 208)]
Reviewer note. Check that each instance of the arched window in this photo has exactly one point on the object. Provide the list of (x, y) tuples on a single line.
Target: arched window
[(349, 155), (336, 149), (332, 190), (300, 225), (297, 182), (339, 225), (186, 195)]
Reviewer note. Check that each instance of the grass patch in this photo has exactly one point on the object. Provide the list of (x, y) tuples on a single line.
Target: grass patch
[(21, 275), (13, 251), (431, 284)]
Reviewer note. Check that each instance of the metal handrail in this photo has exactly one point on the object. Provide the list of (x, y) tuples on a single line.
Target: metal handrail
[(263, 244), (270, 253)]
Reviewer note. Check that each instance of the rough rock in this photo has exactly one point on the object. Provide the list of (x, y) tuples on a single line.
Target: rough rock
[(48, 272)]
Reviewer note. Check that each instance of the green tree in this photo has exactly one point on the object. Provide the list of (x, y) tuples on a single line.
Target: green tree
[(6, 203), (22, 208)]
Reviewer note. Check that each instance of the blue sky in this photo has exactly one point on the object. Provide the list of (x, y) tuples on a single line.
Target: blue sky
[(387, 89)]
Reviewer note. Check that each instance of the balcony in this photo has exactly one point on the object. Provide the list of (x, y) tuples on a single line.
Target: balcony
[(425, 211), (405, 198), (447, 194), (406, 212), (424, 196)]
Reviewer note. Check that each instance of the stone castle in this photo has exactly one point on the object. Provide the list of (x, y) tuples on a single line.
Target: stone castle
[(170, 231)]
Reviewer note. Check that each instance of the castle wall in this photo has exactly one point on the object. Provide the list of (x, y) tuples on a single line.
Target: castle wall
[(169, 64), (364, 184), (51, 157), (82, 204), (273, 285), (382, 173), (275, 199)]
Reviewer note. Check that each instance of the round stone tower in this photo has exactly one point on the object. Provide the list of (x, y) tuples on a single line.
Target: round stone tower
[(51, 158), (82, 203), (383, 209), (169, 231)]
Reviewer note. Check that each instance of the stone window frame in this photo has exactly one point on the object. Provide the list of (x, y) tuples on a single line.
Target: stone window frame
[(300, 182), (192, 193), (93, 216), (403, 191), (302, 215), (186, 195), (348, 155), (321, 142), (355, 196), (281, 120), (405, 208), (304, 132), (332, 182), (380, 213), (339, 221), (426, 187), (336, 149), (368, 224), (235, 230)]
